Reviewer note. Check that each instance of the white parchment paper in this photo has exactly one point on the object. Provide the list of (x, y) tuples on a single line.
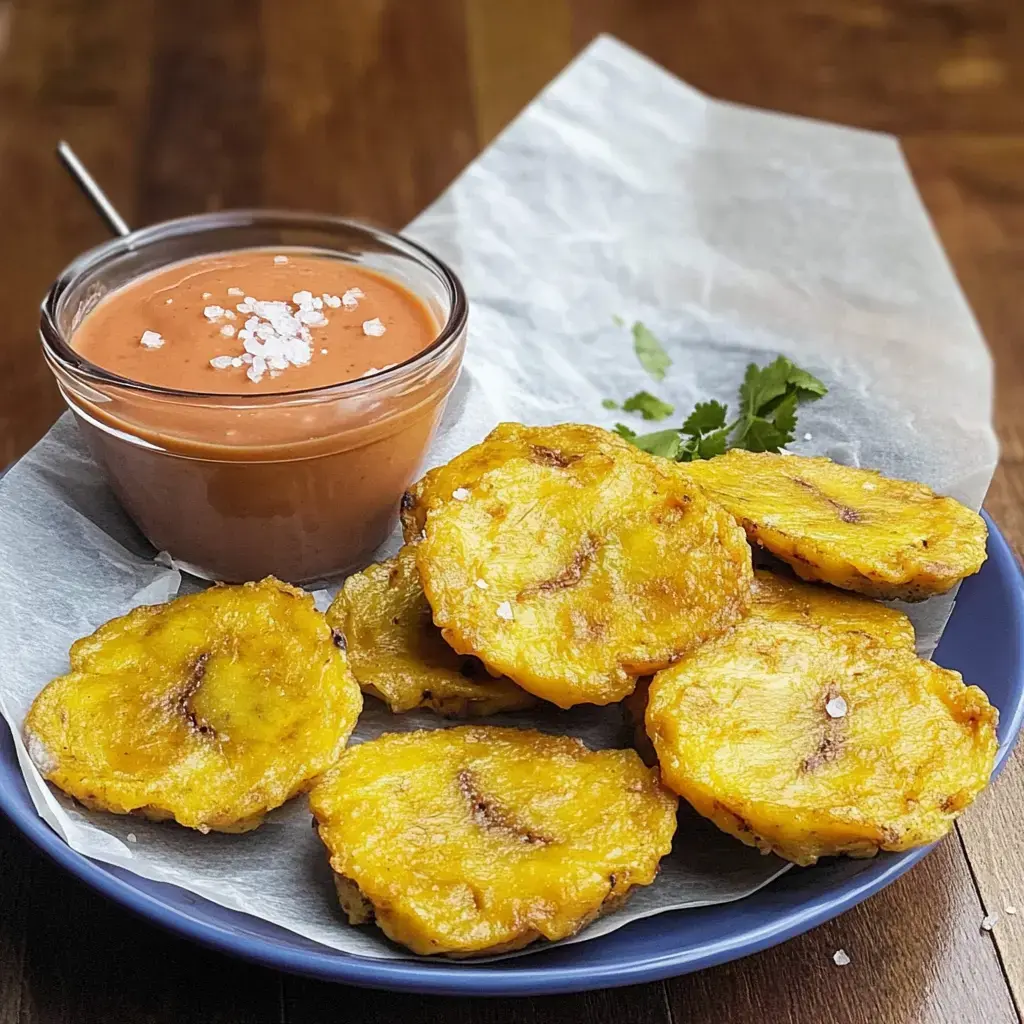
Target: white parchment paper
[(620, 192)]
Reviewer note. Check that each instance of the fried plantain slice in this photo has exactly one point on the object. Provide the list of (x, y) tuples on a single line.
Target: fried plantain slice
[(398, 654), (574, 570), (548, 445), (211, 709), (853, 528), (811, 732), (479, 840), (780, 599)]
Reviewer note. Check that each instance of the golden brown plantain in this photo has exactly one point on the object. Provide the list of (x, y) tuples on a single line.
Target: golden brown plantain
[(572, 569), (506, 441), (811, 730), (477, 840), (211, 709), (853, 528), (398, 654)]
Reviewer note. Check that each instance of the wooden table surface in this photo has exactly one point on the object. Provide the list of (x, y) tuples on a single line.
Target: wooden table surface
[(370, 108)]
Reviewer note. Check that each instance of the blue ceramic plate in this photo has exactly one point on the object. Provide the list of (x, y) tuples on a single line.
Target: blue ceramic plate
[(983, 641)]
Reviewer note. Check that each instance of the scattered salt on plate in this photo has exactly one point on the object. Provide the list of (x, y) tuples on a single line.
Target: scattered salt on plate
[(841, 958)]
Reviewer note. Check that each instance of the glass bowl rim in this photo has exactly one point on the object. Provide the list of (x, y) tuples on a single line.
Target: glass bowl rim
[(57, 348)]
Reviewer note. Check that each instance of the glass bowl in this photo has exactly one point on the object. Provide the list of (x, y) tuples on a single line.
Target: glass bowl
[(302, 485)]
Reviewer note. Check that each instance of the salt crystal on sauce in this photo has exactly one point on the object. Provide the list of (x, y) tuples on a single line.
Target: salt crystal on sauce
[(373, 328), (280, 259), (351, 298), (151, 339)]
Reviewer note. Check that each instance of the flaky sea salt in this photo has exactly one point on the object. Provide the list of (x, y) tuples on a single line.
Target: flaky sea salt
[(169, 301), (151, 339), (482, 584), (214, 312), (228, 331), (235, 291), (1011, 910), (989, 922), (460, 494), (222, 362), (280, 259), (323, 351), (504, 611), (302, 299), (334, 301), (351, 298), (207, 295), (374, 328), (132, 837), (807, 437), (840, 958), (836, 707)]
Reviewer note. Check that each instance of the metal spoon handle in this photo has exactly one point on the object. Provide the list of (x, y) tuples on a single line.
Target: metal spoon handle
[(87, 183)]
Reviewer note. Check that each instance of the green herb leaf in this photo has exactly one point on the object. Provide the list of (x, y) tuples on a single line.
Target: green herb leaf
[(649, 406), (662, 442), (769, 398), (653, 357), (713, 444), (610, 403), (784, 416), (762, 435), (706, 416), (762, 385), (808, 388)]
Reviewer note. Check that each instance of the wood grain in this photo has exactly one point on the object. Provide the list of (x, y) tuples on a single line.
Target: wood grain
[(84, 79), (79, 958), (514, 51), (917, 951), (311, 1002), (975, 190), (370, 108)]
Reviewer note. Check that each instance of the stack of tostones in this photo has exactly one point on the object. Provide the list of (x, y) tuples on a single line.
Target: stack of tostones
[(212, 709), (398, 654), (812, 728), (559, 563), (572, 563), (479, 840)]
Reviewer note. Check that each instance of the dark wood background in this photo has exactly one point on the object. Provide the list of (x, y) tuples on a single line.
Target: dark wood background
[(370, 107)]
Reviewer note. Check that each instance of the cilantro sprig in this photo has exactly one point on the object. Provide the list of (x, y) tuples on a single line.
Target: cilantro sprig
[(768, 401)]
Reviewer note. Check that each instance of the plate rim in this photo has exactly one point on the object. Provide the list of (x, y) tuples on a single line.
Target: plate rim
[(455, 979)]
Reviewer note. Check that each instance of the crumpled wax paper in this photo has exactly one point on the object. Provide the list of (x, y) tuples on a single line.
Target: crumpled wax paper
[(735, 235)]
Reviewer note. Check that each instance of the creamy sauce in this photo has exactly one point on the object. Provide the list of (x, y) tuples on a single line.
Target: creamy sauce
[(166, 327)]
